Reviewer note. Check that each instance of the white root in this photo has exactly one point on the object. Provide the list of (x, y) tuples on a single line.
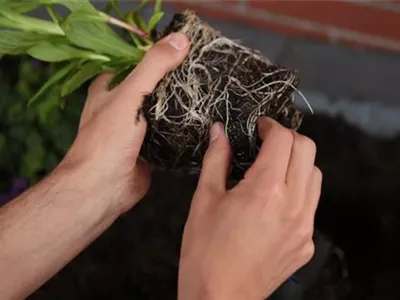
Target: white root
[(193, 90)]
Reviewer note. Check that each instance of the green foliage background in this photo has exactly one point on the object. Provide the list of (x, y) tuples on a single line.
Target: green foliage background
[(49, 60), (33, 140)]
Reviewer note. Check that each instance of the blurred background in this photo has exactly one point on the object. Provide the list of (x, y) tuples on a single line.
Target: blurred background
[(348, 55)]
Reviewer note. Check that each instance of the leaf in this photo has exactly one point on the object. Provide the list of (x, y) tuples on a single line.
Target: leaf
[(75, 5), (100, 39), (15, 20), (115, 5), (130, 19), (86, 72), (16, 42), (59, 75), (143, 3), (134, 18), (22, 7), (157, 6), (83, 15), (53, 52), (48, 52), (154, 20)]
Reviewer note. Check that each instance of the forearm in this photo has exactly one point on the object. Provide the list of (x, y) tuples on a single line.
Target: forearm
[(43, 229)]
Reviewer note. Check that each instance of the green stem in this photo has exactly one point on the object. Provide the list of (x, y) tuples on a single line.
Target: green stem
[(53, 14)]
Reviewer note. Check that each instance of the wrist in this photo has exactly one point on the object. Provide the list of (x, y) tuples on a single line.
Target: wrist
[(81, 180)]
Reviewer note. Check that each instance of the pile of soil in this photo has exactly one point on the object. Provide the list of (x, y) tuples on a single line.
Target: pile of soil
[(137, 258)]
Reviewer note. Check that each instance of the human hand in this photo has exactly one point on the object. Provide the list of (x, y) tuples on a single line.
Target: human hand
[(245, 242), (111, 134)]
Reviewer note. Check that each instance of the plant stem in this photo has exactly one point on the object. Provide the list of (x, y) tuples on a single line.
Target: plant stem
[(128, 27)]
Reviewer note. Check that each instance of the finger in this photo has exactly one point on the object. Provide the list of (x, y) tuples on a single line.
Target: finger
[(162, 58), (215, 169), (273, 157), (97, 96), (314, 194), (99, 86), (301, 164)]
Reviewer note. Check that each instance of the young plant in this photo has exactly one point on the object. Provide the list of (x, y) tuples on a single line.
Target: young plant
[(220, 80)]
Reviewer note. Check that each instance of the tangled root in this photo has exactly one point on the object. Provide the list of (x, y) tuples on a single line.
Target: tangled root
[(220, 80)]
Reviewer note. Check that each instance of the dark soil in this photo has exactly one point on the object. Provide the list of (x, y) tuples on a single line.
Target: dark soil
[(137, 258), (220, 80)]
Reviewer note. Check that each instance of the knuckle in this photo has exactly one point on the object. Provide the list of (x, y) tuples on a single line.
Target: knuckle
[(163, 54), (207, 189), (274, 190), (281, 132), (98, 85), (275, 130), (306, 143), (305, 233), (293, 213), (213, 154), (308, 252), (318, 174)]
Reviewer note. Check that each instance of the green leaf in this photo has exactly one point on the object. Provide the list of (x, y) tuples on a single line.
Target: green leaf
[(22, 7), (115, 5), (139, 21), (86, 72), (15, 20), (78, 5), (143, 3), (16, 42), (157, 6), (59, 75), (83, 15), (129, 18), (154, 20), (52, 52), (48, 52), (100, 39)]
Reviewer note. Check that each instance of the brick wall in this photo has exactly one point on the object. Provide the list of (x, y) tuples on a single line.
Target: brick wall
[(365, 24)]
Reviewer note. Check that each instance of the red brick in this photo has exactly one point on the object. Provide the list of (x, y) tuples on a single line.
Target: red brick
[(288, 30), (236, 16), (351, 16)]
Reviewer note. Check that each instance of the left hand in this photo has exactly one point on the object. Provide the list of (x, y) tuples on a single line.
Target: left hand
[(100, 178), (110, 136)]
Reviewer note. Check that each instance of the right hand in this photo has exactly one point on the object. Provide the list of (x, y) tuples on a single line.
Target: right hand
[(245, 242)]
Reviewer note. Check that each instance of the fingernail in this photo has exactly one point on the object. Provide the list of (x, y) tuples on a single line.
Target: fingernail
[(215, 131), (178, 40)]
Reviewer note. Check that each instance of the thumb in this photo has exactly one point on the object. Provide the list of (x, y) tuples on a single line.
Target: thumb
[(216, 166), (163, 57)]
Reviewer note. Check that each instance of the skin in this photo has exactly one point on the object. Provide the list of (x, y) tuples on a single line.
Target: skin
[(245, 242), (238, 244)]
